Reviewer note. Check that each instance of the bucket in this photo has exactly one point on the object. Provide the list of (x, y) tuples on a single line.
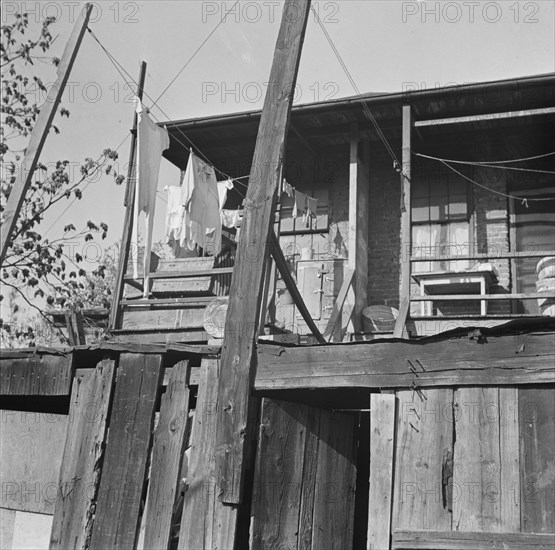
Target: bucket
[(546, 304), (546, 268), (379, 318)]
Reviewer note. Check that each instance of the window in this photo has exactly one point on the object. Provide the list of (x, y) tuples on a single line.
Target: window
[(534, 231), (440, 222), (297, 234)]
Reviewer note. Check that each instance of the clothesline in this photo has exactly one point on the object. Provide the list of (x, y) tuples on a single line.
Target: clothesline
[(495, 165)]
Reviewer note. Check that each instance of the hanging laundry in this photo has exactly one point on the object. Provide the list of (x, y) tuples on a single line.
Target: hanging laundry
[(288, 189), (175, 213), (204, 209), (232, 218), (176, 226), (223, 188), (152, 141), (311, 206), (300, 203)]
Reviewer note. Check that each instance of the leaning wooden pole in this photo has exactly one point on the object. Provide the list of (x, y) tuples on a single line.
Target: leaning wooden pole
[(242, 323), (40, 131), (129, 201)]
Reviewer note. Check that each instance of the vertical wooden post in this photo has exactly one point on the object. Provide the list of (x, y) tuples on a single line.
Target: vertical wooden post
[(41, 129), (243, 316), (129, 201), (358, 227), (405, 252)]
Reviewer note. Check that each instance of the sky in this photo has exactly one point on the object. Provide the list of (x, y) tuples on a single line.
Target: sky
[(387, 46)]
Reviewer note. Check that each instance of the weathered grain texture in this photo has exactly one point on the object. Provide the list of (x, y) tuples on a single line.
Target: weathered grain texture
[(278, 475), (81, 465), (160, 319), (206, 523), (382, 435), (359, 191), (167, 453), (44, 375), (331, 329), (238, 353), (501, 360), (423, 460), (40, 131), (309, 470), (127, 450), (537, 459), (476, 461), (30, 458), (334, 495), (405, 240), (509, 451), (7, 522), (455, 540)]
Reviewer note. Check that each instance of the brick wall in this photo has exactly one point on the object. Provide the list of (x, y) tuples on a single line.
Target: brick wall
[(384, 232), (491, 229)]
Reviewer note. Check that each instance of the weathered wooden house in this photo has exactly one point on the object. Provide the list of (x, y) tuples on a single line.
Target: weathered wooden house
[(398, 392)]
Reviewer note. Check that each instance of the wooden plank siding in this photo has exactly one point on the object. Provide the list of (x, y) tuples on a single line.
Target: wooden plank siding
[(82, 458), (206, 522), (168, 447), (382, 451), (131, 421), (39, 375), (304, 479), (537, 455), (423, 460), (456, 540)]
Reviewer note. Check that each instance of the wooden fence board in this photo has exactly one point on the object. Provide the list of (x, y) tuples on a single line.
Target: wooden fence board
[(279, 475), (423, 460), (477, 465), (45, 375), (510, 459), (167, 453), (30, 458), (334, 497), (123, 476), (84, 446), (537, 448), (206, 523), (382, 435), (459, 540), (308, 489)]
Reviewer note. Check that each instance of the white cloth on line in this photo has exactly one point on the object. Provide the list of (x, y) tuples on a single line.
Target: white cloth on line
[(152, 141)]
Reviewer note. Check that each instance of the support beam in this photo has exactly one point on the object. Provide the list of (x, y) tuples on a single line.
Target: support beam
[(497, 360), (404, 255), (129, 201), (283, 268), (40, 131), (359, 189), (482, 118), (242, 323)]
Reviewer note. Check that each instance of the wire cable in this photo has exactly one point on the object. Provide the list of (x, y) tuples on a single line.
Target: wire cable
[(524, 200), (485, 165)]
